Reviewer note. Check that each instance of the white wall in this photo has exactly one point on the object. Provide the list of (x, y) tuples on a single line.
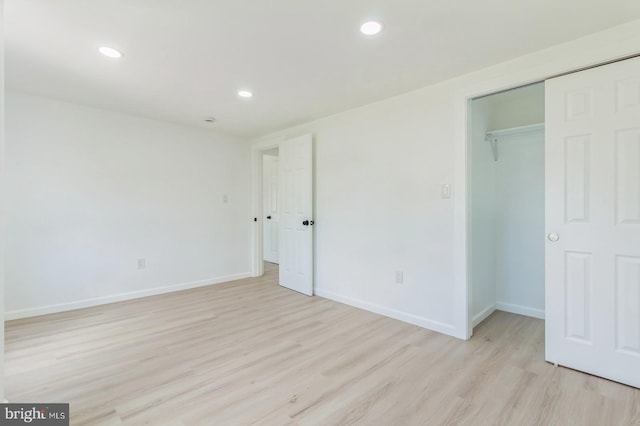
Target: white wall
[(2, 201), (379, 169), (520, 217), (527, 108), (482, 201), (378, 172), (91, 191)]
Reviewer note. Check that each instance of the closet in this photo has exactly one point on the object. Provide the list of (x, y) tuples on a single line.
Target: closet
[(507, 215)]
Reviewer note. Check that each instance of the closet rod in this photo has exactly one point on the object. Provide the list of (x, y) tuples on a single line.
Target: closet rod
[(493, 136)]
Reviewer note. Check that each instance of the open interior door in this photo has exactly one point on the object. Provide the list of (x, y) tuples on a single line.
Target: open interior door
[(296, 209)]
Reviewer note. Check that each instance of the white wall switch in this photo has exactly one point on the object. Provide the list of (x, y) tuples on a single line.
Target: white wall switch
[(445, 191), (225, 198), (399, 277), (142, 263)]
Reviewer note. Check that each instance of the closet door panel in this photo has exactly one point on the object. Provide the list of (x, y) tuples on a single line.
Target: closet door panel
[(576, 182), (592, 199), (628, 177)]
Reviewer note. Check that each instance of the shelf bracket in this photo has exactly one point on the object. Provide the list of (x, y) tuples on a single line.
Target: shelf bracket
[(493, 136), (494, 148)]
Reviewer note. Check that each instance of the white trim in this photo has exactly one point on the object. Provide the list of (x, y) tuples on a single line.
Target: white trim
[(461, 223), (103, 300), (427, 323), (616, 43), (483, 315), (520, 310)]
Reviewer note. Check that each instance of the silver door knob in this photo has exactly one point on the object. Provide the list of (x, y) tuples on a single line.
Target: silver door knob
[(553, 237)]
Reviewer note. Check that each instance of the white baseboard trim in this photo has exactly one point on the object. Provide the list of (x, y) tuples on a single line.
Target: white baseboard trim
[(427, 323), (103, 300), (521, 310), (483, 315)]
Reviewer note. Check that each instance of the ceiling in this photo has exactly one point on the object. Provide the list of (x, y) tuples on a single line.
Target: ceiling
[(186, 59)]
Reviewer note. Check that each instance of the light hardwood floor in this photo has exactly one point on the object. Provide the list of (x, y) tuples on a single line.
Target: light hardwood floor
[(251, 352)]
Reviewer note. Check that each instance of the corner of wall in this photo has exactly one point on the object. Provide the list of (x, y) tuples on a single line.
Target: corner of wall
[(2, 202)]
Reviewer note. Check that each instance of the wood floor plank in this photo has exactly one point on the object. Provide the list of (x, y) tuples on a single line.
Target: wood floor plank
[(250, 352)]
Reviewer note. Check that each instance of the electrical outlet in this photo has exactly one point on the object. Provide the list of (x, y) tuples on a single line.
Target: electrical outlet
[(399, 277), (142, 263), (225, 198)]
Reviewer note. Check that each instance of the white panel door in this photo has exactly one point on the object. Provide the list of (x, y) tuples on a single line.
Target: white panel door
[(593, 221), (296, 221), (270, 178)]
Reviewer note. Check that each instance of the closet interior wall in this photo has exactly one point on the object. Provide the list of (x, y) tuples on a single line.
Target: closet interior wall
[(507, 205)]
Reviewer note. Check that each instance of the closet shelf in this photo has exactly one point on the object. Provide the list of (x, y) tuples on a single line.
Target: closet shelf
[(493, 136)]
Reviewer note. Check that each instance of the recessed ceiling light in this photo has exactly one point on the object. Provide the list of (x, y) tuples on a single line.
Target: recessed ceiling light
[(371, 28), (110, 52), (245, 94)]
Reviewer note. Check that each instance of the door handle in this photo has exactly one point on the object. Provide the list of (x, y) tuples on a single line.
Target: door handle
[(305, 222), (553, 237), (269, 217)]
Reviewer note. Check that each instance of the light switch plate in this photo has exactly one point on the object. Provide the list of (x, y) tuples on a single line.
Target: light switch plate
[(445, 191)]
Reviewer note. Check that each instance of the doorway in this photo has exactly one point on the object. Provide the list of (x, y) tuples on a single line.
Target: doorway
[(270, 211), (506, 203), (294, 203), (591, 191)]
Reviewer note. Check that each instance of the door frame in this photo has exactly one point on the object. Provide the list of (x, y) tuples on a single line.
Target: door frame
[(257, 219), (266, 252), (469, 206), (527, 70)]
